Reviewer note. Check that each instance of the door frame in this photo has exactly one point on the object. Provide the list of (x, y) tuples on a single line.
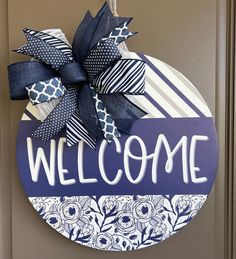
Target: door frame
[(230, 141), (5, 152)]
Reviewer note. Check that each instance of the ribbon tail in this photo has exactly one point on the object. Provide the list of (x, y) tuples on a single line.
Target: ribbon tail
[(123, 111), (87, 111), (106, 121), (92, 30), (58, 118), (94, 115), (76, 131), (120, 34), (46, 48)]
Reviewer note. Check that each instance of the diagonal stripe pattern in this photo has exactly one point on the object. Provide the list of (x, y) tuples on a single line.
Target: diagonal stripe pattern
[(76, 131), (127, 76), (52, 41), (46, 48)]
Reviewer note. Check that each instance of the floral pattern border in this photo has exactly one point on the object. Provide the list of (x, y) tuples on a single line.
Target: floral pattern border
[(118, 223)]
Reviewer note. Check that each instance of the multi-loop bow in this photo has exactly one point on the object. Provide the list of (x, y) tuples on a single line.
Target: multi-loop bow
[(89, 80)]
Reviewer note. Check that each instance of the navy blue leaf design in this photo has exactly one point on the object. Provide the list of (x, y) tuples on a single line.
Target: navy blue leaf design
[(96, 220), (84, 239), (111, 212), (133, 237), (124, 243), (177, 209), (165, 209), (156, 238), (144, 232), (151, 231), (107, 229), (104, 210), (92, 209), (186, 221), (185, 211), (71, 233), (159, 236), (78, 232), (40, 211), (114, 221)]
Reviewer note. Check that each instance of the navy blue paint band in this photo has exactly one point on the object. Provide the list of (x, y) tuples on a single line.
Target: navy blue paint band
[(148, 131)]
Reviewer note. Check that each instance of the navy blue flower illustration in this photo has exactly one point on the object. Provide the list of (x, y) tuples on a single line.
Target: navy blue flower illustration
[(118, 223), (70, 211), (143, 210), (103, 241), (54, 220), (126, 222)]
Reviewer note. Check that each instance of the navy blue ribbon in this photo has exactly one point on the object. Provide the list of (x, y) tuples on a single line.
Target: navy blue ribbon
[(26, 73)]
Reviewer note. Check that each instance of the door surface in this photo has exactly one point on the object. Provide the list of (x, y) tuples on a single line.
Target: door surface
[(188, 35)]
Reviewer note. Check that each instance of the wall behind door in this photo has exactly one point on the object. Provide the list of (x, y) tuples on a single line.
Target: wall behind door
[(179, 32)]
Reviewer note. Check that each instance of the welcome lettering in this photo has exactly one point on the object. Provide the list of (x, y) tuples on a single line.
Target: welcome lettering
[(39, 163)]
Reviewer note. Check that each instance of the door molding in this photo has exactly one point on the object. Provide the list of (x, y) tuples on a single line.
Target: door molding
[(225, 123), (230, 131), (220, 208), (5, 172)]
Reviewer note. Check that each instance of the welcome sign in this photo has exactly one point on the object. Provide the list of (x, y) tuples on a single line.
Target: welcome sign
[(136, 191)]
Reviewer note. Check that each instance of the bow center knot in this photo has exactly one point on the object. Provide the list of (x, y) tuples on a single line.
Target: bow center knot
[(72, 73)]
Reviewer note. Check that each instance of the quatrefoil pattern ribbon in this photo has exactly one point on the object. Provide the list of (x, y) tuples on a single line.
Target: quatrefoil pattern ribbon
[(91, 79)]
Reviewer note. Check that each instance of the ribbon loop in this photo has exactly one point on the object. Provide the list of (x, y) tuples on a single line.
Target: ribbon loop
[(46, 91), (127, 76), (100, 58), (24, 74)]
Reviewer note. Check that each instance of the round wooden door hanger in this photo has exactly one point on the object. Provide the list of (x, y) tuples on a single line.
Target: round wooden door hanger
[(136, 191)]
